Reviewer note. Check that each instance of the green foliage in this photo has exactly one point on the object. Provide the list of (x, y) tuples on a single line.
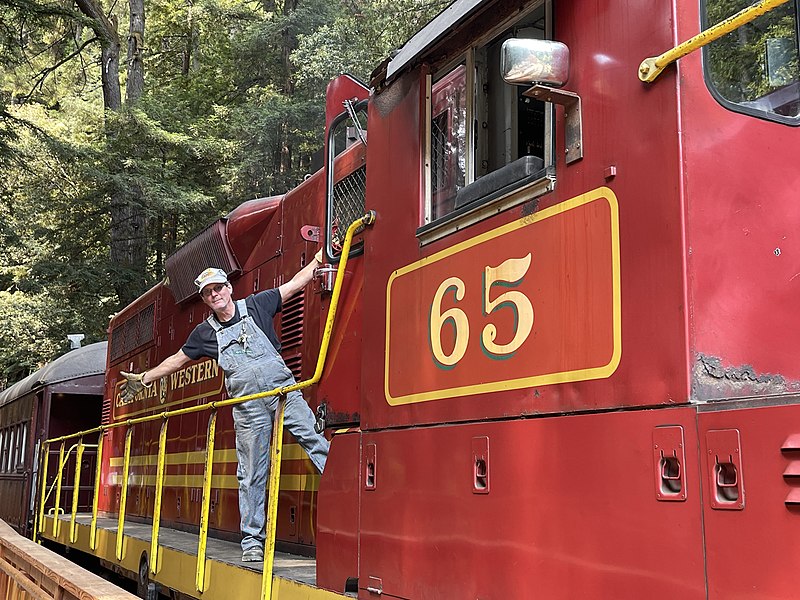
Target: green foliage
[(232, 109), (739, 61), (360, 37)]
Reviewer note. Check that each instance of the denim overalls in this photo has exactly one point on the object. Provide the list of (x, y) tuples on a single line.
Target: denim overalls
[(252, 365)]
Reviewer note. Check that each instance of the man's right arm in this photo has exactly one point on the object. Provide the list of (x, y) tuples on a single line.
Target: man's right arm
[(167, 366)]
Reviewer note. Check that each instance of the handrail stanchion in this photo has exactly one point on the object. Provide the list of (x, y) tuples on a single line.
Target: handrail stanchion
[(276, 448), (206, 504), (98, 471), (123, 498), (45, 462), (76, 491), (162, 450), (58, 490)]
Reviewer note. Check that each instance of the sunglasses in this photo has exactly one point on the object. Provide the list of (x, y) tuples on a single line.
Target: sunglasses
[(216, 289)]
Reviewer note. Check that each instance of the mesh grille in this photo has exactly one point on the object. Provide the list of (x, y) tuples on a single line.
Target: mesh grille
[(438, 152), (209, 249), (134, 332), (349, 203)]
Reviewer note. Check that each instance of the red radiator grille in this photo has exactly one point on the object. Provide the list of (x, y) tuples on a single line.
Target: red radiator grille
[(134, 332), (209, 249)]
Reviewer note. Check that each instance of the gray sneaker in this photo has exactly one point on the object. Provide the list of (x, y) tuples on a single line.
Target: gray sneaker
[(253, 555)]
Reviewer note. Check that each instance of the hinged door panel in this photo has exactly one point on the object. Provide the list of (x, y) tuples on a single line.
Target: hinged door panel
[(751, 485)]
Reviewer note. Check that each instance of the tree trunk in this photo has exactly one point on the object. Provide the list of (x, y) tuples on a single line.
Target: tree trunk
[(128, 232), (135, 85), (106, 30)]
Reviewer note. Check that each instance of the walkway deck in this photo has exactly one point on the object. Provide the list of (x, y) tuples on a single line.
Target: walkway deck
[(226, 576)]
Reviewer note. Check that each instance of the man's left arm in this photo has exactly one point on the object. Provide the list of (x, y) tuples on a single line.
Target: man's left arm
[(301, 279)]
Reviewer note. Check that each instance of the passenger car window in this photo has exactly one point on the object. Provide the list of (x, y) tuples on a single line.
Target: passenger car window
[(754, 69)]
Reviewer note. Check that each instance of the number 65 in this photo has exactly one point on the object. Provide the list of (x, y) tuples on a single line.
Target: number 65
[(510, 273)]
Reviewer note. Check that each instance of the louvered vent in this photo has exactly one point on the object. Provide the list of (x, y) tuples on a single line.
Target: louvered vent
[(105, 415), (292, 314), (209, 249), (133, 333), (295, 364), (791, 474), (349, 203)]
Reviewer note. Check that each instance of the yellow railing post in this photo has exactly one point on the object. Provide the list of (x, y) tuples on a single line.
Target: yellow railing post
[(162, 450), (75, 491), (58, 490), (201, 543), (276, 447), (123, 497), (98, 471), (45, 462)]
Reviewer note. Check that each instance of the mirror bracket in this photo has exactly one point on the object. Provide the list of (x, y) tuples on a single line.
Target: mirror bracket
[(573, 130)]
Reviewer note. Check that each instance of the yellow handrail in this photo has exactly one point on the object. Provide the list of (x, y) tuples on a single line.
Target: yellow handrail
[(367, 219), (56, 520), (123, 496), (76, 491), (653, 66), (98, 470), (276, 447), (44, 459), (162, 450), (201, 542)]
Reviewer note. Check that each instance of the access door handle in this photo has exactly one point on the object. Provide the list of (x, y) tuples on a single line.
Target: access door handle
[(724, 459)]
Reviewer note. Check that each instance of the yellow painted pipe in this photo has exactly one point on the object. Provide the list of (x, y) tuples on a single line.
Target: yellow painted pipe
[(123, 498), (201, 542), (45, 461), (98, 470), (76, 491), (56, 521), (653, 66), (276, 447), (162, 451)]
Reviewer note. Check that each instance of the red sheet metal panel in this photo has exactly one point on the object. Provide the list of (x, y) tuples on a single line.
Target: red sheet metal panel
[(751, 540), (338, 514), (571, 511), (627, 126), (741, 179), (499, 311)]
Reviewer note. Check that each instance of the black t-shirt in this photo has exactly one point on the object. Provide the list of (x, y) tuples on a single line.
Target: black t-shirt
[(262, 307)]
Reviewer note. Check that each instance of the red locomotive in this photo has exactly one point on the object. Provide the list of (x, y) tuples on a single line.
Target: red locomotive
[(562, 366)]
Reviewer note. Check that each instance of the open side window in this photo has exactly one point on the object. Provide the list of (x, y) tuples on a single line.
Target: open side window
[(486, 140)]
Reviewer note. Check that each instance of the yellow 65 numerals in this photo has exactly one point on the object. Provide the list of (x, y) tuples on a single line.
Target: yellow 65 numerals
[(508, 274)]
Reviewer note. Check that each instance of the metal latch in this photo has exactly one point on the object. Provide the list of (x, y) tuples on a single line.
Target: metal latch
[(669, 458)]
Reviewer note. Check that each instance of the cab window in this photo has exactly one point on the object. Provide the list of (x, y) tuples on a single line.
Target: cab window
[(485, 139), (754, 69)]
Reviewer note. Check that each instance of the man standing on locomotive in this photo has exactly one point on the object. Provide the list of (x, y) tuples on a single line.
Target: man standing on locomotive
[(241, 337)]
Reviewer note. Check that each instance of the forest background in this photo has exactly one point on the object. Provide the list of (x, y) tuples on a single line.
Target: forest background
[(126, 126)]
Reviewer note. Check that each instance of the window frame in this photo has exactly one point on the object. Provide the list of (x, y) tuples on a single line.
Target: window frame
[(729, 104), (499, 200), (330, 183)]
